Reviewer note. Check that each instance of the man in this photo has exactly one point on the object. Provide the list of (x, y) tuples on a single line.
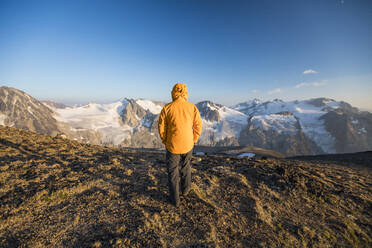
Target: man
[(180, 127)]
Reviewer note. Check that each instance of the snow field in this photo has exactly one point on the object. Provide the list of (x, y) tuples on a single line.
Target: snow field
[(307, 114)]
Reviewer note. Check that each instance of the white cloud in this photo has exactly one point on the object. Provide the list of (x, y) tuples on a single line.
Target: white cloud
[(314, 84), (255, 91), (301, 85), (310, 71), (274, 91)]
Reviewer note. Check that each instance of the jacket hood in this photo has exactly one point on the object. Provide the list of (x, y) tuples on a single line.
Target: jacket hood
[(179, 90)]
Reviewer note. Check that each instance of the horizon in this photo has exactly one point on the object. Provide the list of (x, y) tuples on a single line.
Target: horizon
[(79, 104), (76, 52)]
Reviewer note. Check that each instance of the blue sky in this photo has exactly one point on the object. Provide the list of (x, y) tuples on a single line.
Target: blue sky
[(225, 51)]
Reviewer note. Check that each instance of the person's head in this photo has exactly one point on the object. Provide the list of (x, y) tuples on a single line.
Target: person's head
[(179, 90)]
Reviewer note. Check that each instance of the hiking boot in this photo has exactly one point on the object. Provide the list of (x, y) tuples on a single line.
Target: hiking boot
[(176, 204)]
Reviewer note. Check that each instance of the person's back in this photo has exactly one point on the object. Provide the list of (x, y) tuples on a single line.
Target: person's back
[(180, 127), (180, 116)]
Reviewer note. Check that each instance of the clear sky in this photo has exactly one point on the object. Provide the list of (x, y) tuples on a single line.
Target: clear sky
[(225, 51)]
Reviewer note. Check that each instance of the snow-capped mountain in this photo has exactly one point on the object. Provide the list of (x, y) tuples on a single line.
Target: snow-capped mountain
[(246, 106), (221, 125), (312, 126), (102, 118), (265, 116), (54, 104), (122, 122), (306, 127)]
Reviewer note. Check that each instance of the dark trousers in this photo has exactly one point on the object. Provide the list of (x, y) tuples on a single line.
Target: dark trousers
[(178, 166)]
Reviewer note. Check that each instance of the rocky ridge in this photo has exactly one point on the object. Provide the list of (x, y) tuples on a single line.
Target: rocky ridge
[(23, 111), (58, 192), (20, 110)]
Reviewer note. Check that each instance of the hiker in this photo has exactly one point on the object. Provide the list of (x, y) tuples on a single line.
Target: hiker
[(180, 127)]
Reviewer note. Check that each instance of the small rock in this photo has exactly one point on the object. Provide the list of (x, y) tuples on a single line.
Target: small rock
[(197, 159)]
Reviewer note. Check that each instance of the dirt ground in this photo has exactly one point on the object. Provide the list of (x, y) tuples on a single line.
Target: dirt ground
[(59, 193)]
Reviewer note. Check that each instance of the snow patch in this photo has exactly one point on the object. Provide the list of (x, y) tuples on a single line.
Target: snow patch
[(248, 104), (354, 121), (232, 115), (150, 106), (104, 118), (199, 153), (246, 154), (279, 123), (230, 125)]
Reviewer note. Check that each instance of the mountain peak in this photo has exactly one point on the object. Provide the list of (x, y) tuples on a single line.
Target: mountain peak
[(209, 104), (54, 104), (243, 106), (7, 89), (319, 102), (23, 111)]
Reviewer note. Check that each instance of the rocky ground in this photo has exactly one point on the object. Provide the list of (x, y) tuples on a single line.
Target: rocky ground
[(60, 193)]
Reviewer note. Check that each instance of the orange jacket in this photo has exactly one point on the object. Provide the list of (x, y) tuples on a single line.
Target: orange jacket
[(180, 124)]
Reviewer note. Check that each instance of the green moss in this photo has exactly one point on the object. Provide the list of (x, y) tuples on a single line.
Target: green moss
[(279, 225), (54, 197)]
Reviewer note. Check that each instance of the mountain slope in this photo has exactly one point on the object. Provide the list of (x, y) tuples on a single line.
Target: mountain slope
[(20, 110), (125, 122), (56, 192), (312, 126), (306, 112), (102, 118), (221, 124), (280, 132), (351, 128)]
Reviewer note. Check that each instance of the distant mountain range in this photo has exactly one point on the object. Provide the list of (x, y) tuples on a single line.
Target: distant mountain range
[(314, 126)]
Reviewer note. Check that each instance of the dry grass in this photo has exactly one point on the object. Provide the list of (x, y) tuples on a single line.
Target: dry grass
[(55, 192)]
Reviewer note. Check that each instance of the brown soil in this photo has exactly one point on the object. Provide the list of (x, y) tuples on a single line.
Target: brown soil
[(60, 193)]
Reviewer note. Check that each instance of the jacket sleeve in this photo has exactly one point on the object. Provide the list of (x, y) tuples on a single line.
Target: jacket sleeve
[(162, 126), (197, 125)]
